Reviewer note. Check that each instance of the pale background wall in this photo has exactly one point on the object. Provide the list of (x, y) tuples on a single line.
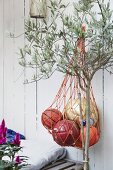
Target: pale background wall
[(18, 101)]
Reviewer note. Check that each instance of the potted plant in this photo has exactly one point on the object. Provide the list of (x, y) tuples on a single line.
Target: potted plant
[(80, 46), (9, 158)]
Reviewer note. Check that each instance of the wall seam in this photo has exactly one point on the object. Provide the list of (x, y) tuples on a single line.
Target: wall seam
[(103, 107), (3, 114), (24, 74)]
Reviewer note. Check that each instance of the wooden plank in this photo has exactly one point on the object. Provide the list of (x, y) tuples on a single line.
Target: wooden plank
[(97, 151), (47, 90), (18, 74), (8, 63), (1, 60), (13, 89), (108, 121), (8, 99), (30, 96), (75, 167), (54, 164), (62, 166)]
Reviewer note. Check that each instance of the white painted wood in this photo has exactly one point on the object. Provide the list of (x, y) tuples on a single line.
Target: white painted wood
[(97, 151), (47, 90), (13, 91), (1, 59), (18, 101), (108, 122), (8, 63), (18, 71), (30, 96)]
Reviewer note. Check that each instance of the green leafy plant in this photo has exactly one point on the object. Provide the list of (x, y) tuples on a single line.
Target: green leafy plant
[(80, 46), (9, 158)]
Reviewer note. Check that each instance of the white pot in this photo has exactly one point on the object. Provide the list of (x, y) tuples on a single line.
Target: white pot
[(38, 8)]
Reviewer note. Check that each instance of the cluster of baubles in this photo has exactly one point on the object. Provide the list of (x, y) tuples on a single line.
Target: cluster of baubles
[(66, 130)]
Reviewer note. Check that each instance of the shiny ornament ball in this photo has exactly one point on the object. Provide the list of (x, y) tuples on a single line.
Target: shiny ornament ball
[(50, 117), (72, 110), (94, 136), (65, 132)]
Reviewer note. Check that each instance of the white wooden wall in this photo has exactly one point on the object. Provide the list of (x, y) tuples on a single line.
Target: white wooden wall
[(11, 89), (18, 101)]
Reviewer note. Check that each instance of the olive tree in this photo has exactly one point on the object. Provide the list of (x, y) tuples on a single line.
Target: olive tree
[(80, 46)]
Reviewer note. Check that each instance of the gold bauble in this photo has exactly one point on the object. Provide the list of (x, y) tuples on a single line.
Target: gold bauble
[(72, 110)]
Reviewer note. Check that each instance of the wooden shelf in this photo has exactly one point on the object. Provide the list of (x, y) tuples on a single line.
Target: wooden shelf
[(64, 164)]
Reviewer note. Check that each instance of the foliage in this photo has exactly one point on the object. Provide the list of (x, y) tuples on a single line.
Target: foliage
[(9, 159), (56, 47)]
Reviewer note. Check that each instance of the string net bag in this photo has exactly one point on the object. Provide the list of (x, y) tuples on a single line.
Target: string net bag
[(63, 120), (66, 117)]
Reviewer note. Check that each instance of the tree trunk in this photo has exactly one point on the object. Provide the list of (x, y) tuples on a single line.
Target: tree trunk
[(81, 122), (86, 161)]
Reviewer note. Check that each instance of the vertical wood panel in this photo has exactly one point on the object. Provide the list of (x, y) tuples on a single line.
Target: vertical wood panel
[(13, 88), (8, 63), (1, 59), (108, 122), (47, 90), (30, 95), (18, 71), (98, 150)]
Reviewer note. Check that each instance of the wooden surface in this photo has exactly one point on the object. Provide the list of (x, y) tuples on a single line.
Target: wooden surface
[(64, 165)]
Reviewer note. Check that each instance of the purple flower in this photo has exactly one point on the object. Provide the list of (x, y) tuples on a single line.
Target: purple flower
[(2, 141), (16, 141), (18, 160), (3, 131), (3, 124)]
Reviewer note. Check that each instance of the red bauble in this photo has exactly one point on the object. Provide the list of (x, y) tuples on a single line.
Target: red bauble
[(94, 136), (65, 132), (50, 117)]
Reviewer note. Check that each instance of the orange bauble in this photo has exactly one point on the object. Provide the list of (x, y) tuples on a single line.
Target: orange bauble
[(94, 136), (65, 132), (50, 117)]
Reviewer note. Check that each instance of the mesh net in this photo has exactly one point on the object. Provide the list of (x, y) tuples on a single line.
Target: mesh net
[(67, 102)]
